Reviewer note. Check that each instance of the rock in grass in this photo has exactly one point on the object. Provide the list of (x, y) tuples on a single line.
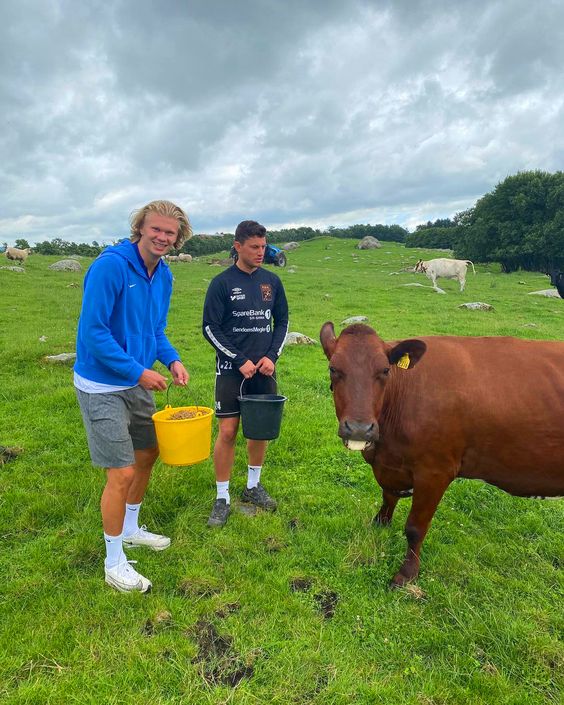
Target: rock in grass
[(295, 338), (550, 293), (369, 243), (354, 319), (14, 269), (66, 265), (61, 358), (477, 306)]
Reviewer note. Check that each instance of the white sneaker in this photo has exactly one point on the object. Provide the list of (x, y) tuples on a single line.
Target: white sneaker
[(124, 578), (142, 537)]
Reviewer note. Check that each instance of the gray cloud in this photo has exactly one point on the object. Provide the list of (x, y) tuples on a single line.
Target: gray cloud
[(318, 113)]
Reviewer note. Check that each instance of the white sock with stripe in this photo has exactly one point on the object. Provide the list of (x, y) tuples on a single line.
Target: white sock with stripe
[(131, 521), (223, 491), (253, 476), (114, 550)]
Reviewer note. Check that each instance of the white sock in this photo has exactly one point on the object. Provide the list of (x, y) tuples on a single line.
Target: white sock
[(223, 491), (131, 521), (253, 477), (114, 550)]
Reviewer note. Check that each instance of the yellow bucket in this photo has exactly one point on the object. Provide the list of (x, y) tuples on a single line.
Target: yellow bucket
[(184, 441)]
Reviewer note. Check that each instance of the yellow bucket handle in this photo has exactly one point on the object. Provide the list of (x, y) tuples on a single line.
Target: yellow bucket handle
[(167, 405)]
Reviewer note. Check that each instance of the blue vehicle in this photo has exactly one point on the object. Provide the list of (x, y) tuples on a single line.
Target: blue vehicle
[(272, 255)]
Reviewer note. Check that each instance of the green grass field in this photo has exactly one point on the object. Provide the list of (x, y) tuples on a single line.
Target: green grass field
[(286, 608)]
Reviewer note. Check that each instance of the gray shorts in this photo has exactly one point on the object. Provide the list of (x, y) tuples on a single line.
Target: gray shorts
[(117, 424)]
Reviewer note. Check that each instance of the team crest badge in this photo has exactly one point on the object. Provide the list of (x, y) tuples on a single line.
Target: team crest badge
[(266, 291)]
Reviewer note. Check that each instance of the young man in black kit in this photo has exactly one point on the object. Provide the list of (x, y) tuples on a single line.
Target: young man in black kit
[(246, 321)]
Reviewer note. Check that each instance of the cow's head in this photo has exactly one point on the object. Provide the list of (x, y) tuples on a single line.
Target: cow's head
[(420, 266), (360, 366)]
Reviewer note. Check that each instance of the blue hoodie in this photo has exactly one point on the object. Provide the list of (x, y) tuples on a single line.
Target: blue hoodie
[(123, 318)]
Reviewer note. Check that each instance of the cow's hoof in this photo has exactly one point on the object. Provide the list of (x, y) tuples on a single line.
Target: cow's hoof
[(399, 580), (380, 520)]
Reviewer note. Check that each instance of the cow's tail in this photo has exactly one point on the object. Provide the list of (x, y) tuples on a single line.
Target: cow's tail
[(472, 263)]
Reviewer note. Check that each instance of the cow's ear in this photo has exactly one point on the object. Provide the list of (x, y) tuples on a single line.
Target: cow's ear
[(414, 349), (328, 339)]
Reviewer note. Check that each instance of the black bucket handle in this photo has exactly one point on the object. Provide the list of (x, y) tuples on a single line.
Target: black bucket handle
[(245, 379)]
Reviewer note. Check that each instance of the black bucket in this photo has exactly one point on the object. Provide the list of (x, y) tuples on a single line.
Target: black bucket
[(261, 415)]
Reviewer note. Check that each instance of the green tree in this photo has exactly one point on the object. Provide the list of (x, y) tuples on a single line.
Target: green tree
[(519, 224), (22, 244)]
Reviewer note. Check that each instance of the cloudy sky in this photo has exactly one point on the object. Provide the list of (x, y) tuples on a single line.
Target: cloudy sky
[(291, 112)]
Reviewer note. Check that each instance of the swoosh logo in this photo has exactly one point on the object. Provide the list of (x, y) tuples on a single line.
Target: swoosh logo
[(132, 285)]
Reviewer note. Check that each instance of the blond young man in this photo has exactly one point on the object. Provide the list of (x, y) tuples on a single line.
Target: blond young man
[(121, 333)]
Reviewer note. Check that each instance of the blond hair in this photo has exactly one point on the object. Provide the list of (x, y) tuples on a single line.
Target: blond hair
[(165, 208)]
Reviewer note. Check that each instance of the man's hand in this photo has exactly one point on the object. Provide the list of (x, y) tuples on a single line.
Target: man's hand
[(152, 380), (179, 373), (265, 366), (248, 369)]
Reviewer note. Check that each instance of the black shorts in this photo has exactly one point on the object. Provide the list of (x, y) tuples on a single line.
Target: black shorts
[(228, 388)]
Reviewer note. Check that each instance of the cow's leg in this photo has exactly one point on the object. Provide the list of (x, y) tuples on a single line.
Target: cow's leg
[(384, 516), (426, 497), (462, 283)]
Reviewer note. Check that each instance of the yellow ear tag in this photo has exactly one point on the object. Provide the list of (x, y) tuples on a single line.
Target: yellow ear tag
[(403, 362)]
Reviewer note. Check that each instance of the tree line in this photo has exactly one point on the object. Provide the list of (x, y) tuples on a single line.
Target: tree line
[(210, 244), (519, 224)]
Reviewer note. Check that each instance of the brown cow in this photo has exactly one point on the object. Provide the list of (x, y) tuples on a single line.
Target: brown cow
[(485, 408)]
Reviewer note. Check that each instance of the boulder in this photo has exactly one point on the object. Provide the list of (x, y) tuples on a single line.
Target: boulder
[(477, 306), (290, 246), (369, 243), (66, 265), (354, 319), (14, 269), (551, 293), (299, 339), (61, 358)]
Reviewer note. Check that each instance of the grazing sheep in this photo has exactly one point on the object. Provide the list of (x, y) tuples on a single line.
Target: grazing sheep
[(17, 255), (184, 257)]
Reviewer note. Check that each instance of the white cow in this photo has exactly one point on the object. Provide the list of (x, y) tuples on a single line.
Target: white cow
[(17, 255), (184, 257), (447, 268)]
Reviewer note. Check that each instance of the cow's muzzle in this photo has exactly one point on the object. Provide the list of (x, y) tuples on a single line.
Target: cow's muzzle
[(358, 435)]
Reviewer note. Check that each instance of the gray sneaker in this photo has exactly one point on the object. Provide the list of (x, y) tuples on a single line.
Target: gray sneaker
[(259, 497), (219, 513)]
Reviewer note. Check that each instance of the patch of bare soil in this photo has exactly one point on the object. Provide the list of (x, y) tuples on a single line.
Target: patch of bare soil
[(198, 587), (159, 621), (327, 602), (220, 663), (227, 609), (7, 454), (274, 544), (301, 584)]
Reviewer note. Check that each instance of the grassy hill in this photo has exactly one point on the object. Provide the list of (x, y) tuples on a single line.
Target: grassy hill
[(286, 608)]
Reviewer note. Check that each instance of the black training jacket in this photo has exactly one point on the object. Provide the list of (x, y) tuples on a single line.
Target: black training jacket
[(245, 317)]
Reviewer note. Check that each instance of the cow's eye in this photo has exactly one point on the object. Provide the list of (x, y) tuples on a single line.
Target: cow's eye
[(382, 374)]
